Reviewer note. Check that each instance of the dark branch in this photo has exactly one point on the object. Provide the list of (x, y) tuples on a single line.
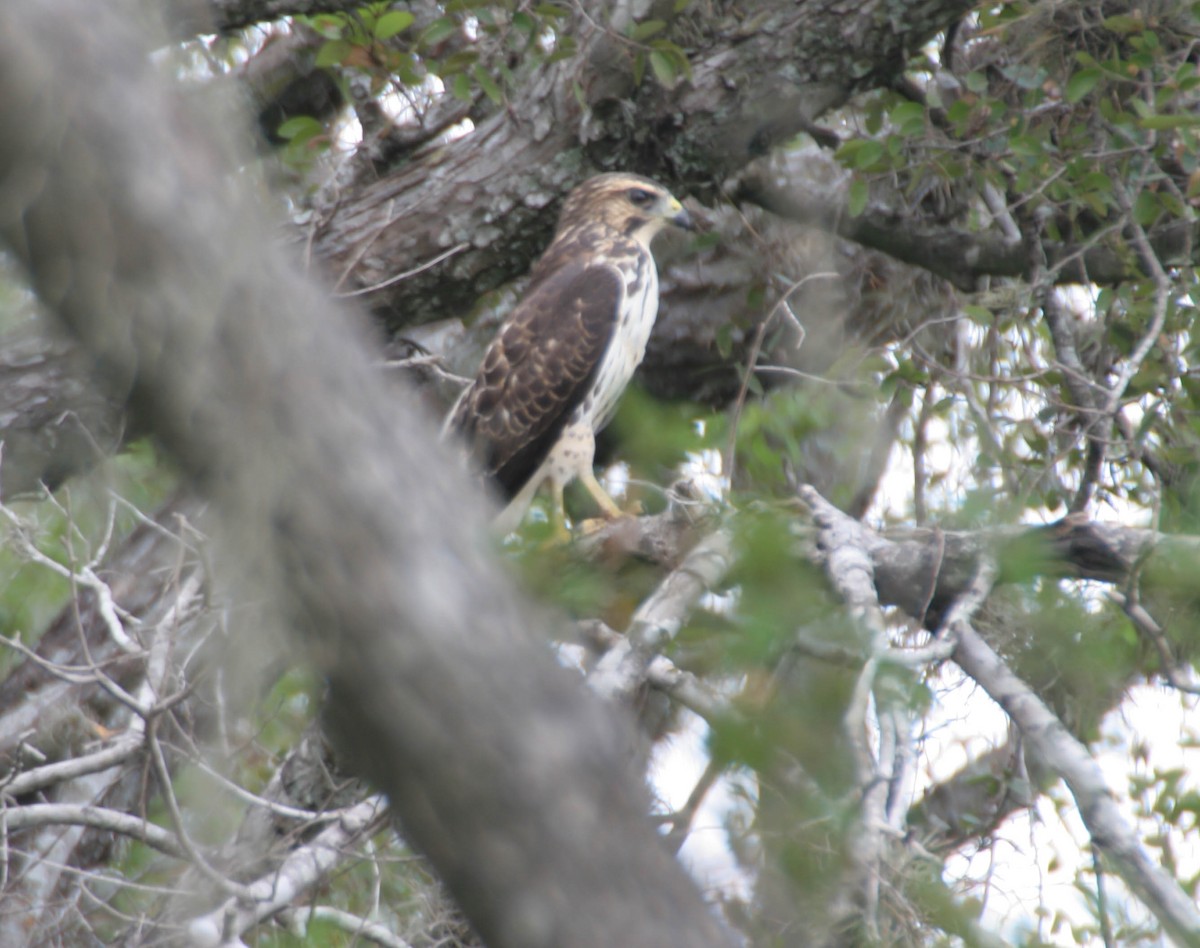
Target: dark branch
[(960, 256)]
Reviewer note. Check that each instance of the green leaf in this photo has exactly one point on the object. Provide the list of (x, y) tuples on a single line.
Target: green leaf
[(909, 118), (1024, 75), (663, 68), (299, 129), (1146, 208), (551, 10), (332, 53), (460, 87), (439, 30), (680, 6), (392, 23), (858, 195), (564, 48), (1082, 83), (643, 31), (1159, 123), (976, 82), (724, 340), (523, 23), (871, 154), (980, 315), (488, 84), (1123, 23), (639, 67), (328, 25)]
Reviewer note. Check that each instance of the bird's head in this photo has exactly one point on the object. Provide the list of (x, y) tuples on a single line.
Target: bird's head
[(629, 203)]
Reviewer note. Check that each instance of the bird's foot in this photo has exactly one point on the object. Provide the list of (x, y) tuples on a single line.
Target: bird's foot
[(593, 524)]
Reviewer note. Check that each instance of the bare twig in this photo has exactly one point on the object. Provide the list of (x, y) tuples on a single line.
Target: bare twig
[(357, 926), (48, 775), (84, 577), (1162, 291), (304, 867), (681, 820), (96, 817), (781, 306), (1170, 667), (167, 791), (407, 274)]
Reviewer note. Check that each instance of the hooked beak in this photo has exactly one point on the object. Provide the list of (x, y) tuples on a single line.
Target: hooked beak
[(681, 218)]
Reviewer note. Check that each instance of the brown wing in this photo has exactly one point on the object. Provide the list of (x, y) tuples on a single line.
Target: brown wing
[(538, 370)]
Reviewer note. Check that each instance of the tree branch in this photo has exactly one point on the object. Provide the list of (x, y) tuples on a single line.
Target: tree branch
[(97, 817), (963, 257), (305, 867), (333, 489), (1056, 750), (736, 109), (625, 666)]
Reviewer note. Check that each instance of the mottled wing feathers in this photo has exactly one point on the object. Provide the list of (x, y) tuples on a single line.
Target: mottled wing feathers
[(539, 369)]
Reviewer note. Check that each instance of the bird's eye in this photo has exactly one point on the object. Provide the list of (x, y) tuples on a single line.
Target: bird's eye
[(641, 197)]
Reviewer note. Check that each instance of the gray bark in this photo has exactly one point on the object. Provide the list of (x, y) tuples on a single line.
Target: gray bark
[(336, 499), (54, 420)]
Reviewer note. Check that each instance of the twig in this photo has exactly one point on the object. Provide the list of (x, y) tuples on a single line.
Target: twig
[(400, 277), (781, 305), (1162, 290), (167, 792), (1106, 931), (357, 926), (303, 868), (730, 461), (693, 693), (845, 545), (431, 362), (1148, 626), (681, 820), (85, 577), (1085, 392), (279, 809), (96, 817), (50, 774)]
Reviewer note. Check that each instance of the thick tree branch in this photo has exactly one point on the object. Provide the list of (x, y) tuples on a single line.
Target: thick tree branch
[(923, 570), (339, 501), (963, 257), (495, 186)]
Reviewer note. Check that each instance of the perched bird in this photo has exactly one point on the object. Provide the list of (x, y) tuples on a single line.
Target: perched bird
[(552, 376)]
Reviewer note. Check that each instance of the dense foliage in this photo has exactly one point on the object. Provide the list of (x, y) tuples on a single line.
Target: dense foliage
[(910, 597)]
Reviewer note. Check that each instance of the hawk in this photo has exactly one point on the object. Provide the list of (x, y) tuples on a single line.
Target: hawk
[(553, 375)]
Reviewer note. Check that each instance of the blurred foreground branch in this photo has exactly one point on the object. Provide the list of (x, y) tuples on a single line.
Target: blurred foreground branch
[(339, 505)]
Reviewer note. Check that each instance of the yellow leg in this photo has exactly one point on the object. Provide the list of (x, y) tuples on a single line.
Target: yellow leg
[(558, 514), (608, 506)]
